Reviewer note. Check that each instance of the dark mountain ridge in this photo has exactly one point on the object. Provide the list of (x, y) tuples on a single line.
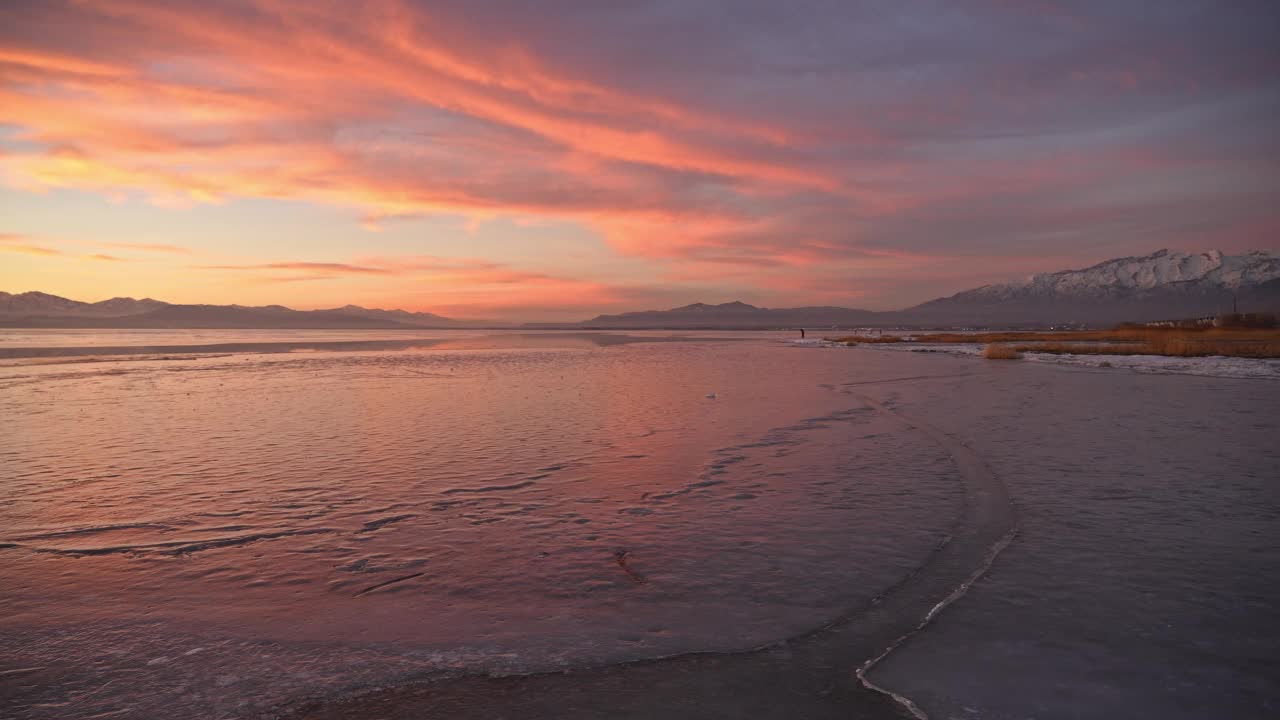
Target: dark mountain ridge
[(1161, 286), (36, 309)]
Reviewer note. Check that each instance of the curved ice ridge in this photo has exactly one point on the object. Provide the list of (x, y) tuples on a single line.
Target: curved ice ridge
[(984, 528), (956, 594), (977, 473)]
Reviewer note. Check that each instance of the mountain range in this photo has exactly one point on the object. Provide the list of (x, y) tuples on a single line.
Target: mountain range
[(37, 309), (1160, 286)]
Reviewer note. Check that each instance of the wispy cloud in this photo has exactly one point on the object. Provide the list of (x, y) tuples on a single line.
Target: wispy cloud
[(772, 152), (42, 246), (14, 243), (273, 279), (149, 247), (439, 269), (29, 249), (323, 268), (430, 282)]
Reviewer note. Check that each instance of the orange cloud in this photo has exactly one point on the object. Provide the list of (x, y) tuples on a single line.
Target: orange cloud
[(534, 297), (29, 249), (14, 243), (469, 287), (37, 246), (313, 267), (150, 247), (480, 275), (295, 102), (38, 60), (144, 131), (789, 154)]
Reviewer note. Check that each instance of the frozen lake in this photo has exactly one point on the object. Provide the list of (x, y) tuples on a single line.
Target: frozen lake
[(230, 524)]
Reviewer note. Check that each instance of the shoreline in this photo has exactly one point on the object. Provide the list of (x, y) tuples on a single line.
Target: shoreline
[(1226, 368), (514, 340)]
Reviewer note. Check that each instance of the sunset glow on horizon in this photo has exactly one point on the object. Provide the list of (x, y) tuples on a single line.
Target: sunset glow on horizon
[(553, 161)]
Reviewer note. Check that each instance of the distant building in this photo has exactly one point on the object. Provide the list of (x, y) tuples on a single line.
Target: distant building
[(1226, 320), (1245, 320)]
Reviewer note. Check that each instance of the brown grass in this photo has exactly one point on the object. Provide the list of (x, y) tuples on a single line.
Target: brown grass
[(1083, 348), (872, 339), (1170, 348), (997, 351), (1172, 342)]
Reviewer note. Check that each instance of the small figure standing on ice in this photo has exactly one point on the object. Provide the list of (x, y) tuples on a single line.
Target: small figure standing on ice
[(801, 333)]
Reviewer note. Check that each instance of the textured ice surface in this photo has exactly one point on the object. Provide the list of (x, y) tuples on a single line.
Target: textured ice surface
[(217, 536), (1144, 582), (204, 536)]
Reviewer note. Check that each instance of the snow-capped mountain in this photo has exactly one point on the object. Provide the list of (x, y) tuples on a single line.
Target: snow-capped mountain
[(1206, 270), (1163, 285)]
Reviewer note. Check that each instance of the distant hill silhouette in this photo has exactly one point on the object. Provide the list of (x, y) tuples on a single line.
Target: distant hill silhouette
[(1163, 285), (35, 309), (735, 315), (1159, 286)]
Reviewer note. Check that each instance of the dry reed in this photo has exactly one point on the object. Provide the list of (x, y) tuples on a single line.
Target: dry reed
[(870, 339), (1167, 348), (1172, 342), (996, 351)]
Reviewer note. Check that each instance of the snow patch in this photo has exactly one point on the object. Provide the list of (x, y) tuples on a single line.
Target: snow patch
[(1216, 366)]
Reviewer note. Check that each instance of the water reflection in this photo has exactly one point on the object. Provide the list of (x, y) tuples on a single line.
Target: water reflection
[(459, 506)]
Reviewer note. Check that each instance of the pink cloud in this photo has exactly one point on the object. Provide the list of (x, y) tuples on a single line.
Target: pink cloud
[(807, 157)]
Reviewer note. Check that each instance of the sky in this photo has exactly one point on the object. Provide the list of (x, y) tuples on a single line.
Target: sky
[(554, 160)]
